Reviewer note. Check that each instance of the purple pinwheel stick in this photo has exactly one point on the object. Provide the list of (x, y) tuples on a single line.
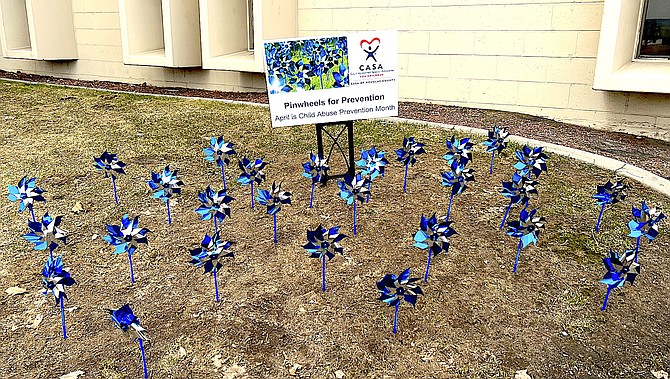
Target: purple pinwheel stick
[(352, 189), (644, 224), (433, 236), (209, 255), (46, 233), (526, 229), (274, 199), (252, 172), (54, 280), (316, 170), (372, 164), (620, 269), (407, 156), (214, 206), (495, 143), (322, 244), (164, 186), (394, 289), (26, 194), (220, 152), (126, 238), (459, 151), (608, 193), (518, 191), (531, 162), (110, 165), (456, 178), (125, 320)]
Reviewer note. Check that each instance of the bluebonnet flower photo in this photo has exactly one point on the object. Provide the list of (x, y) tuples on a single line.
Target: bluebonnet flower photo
[(220, 151), (606, 194), (214, 206), (126, 238), (395, 289), (495, 143), (209, 255), (26, 193), (620, 269), (54, 280), (433, 236), (323, 244), (315, 169), (165, 185), (46, 233), (125, 320), (407, 156), (110, 165)]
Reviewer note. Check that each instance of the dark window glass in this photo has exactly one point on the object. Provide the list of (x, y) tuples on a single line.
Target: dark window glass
[(655, 38)]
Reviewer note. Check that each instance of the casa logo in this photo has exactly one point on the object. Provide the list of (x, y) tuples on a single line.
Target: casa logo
[(370, 48)]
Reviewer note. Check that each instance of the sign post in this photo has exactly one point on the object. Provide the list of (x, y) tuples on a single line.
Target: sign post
[(335, 142)]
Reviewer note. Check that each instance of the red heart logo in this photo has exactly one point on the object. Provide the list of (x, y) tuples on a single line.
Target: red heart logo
[(370, 46)]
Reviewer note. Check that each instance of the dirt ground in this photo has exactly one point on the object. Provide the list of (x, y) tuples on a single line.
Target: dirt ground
[(476, 320)]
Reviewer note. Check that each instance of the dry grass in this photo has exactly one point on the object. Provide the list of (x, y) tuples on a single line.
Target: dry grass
[(476, 320)]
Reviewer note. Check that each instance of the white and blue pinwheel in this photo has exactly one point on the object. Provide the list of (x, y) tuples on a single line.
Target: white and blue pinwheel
[(273, 200), (125, 319), (644, 224), (214, 206), (433, 236), (26, 193), (126, 238), (209, 255), (323, 244), (407, 156), (220, 151), (606, 194), (354, 188), (165, 185), (372, 164), (110, 165), (252, 173), (495, 143), (395, 289), (46, 233), (55, 278), (315, 169), (456, 178), (526, 229), (621, 268)]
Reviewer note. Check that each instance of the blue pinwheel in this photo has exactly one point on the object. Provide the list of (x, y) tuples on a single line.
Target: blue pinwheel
[(322, 244), (407, 156), (518, 191), (274, 199), (608, 193), (54, 280), (26, 193), (209, 255), (220, 152), (456, 178), (352, 189), (394, 289), (620, 269), (317, 170), (372, 164), (433, 236), (46, 233), (495, 143), (644, 224), (110, 165), (252, 172), (165, 185), (531, 162), (126, 237), (125, 320), (458, 150), (526, 229), (215, 206)]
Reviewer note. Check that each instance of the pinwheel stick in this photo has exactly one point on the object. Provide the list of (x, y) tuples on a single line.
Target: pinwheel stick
[(451, 199), (518, 254), (607, 296), (493, 157), (62, 316), (367, 198), (132, 273), (323, 272), (404, 182), (637, 248), (600, 216), (354, 216), (223, 175), (216, 227), (144, 359), (168, 210), (395, 318), (32, 213), (505, 216), (116, 197), (274, 219), (216, 286), (252, 195), (311, 197), (425, 277)]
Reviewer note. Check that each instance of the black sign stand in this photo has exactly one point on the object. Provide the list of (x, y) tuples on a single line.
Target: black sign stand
[(335, 130)]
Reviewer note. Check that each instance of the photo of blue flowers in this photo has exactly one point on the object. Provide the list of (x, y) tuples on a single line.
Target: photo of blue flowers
[(306, 65)]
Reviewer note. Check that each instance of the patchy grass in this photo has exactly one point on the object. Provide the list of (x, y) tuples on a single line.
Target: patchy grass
[(476, 320)]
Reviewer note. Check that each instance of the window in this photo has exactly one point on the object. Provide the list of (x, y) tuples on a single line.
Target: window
[(654, 40)]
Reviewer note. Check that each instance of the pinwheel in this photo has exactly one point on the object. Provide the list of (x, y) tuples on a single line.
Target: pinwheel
[(608, 193), (110, 165), (394, 289), (274, 199), (219, 151), (456, 179), (209, 255), (317, 170), (252, 172), (352, 189), (531, 162), (407, 156), (620, 269), (433, 236), (26, 193), (126, 237), (372, 163), (125, 320), (214, 206), (322, 244), (458, 150), (644, 224), (517, 191), (54, 280), (526, 229), (46, 233), (164, 186), (495, 142)]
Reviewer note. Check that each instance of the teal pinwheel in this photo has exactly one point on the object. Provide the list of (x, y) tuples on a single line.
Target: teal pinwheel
[(620, 269), (316, 170), (125, 320), (395, 289), (526, 229), (209, 255), (165, 185), (407, 156), (110, 165), (252, 173), (372, 164), (495, 143), (273, 200), (55, 278), (644, 224), (126, 239), (458, 150), (456, 178), (433, 236), (26, 193), (608, 193), (46, 233), (354, 188), (531, 162), (324, 243), (214, 206), (220, 151)]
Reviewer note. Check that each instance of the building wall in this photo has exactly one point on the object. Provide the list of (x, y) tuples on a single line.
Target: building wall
[(530, 56)]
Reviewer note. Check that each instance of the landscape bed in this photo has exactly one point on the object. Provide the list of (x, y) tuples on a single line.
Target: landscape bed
[(477, 319)]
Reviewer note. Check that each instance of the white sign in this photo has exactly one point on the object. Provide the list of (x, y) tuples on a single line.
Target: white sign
[(352, 76)]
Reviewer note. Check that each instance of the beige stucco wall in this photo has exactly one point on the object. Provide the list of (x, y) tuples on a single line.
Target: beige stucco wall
[(530, 56)]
